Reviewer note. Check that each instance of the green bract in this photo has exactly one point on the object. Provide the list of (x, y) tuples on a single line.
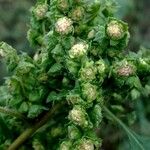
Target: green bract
[(79, 71)]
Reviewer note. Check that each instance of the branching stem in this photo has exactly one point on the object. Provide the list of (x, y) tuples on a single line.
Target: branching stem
[(31, 130)]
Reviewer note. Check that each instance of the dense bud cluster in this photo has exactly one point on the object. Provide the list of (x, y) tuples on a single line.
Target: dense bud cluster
[(40, 11), (63, 25), (78, 71), (78, 50), (115, 30)]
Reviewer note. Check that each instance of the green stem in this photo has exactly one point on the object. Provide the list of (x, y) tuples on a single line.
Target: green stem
[(12, 113), (31, 130)]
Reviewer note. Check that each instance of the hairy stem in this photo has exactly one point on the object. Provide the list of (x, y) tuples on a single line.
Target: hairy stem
[(31, 130), (12, 113)]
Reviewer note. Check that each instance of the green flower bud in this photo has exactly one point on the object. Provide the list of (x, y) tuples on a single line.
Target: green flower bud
[(73, 132), (85, 144), (78, 50), (97, 115), (100, 66), (36, 144), (65, 145), (74, 99), (57, 131), (115, 30), (63, 5), (124, 68), (87, 73), (89, 92), (78, 116), (91, 34), (72, 66), (40, 11), (77, 13), (64, 26), (2, 54)]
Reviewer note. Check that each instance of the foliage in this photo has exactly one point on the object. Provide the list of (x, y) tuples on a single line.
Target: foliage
[(78, 76)]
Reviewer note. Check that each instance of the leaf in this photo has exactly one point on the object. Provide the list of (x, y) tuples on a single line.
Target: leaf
[(137, 142), (35, 110)]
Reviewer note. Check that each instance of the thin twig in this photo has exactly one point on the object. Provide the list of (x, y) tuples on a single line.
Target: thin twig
[(12, 113), (31, 130)]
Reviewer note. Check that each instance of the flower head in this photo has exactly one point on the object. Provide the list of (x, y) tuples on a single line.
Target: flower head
[(63, 26), (78, 50), (40, 11), (78, 116), (77, 13), (65, 145), (89, 92), (88, 72), (115, 30), (85, 144), (63, 5), (125, 71)]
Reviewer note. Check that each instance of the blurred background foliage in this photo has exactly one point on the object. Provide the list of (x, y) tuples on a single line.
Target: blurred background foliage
[(14, 19)]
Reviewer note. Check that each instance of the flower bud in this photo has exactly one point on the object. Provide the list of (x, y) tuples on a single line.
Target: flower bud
[(36, 144), (97, 115), (78, 50), (63, 5), (100, 66), (64, 26), (78, 116), (85, 144), (74, 98), (89, 92), (65, 145), (91, 34), (115, 30), (88, 72), (2, 53), (56, 131), (73, 132), (124, 68), (40, 11), (77, 14)]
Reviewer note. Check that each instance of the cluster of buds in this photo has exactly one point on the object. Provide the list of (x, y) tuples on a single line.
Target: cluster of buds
[(40, 11), (64, 26), (63, 5), (125, 71), (78, 50), (78, 116), (73, 132), (89, 92), (65, 145), (85, 144), (77, 13), (115, 30), (88, 72), (125, 68)]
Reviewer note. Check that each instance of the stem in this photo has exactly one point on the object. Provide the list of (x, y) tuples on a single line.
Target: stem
[(31, 130), (12, 113)]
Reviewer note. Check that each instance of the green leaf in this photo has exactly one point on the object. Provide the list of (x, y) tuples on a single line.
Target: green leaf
[(55, 69), (35, 110), (137, 142)]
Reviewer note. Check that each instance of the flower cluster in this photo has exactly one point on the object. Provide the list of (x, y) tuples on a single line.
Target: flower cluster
[(78, 71)]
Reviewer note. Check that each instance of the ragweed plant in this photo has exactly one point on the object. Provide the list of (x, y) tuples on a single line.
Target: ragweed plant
[(79, 75)]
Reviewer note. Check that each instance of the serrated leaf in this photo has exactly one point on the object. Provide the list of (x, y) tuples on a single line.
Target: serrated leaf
[(137, 142)]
